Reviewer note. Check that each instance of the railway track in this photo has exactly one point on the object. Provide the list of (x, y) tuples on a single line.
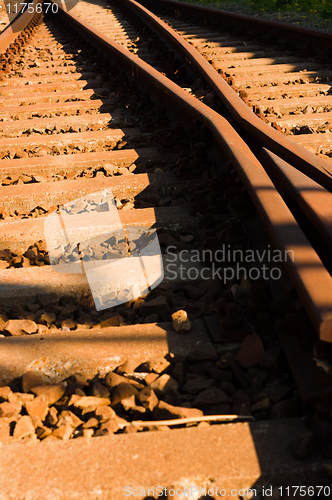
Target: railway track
[(93, 132)]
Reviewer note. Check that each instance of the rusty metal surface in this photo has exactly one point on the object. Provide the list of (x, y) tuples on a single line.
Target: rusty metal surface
[(307, 272), (166, 89), (305, 161), (312, 198)]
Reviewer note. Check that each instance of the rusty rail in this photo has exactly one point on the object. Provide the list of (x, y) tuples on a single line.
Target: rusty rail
[(299, 157), (12, 31)]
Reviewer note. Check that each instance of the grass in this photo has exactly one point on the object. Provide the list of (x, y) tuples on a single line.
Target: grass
[(322, 8)]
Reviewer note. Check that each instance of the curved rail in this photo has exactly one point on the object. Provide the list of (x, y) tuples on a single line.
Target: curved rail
[(299, 157), (311, 279)]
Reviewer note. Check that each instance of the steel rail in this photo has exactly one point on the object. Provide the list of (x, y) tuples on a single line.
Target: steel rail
[(305, 161), (311, 279)]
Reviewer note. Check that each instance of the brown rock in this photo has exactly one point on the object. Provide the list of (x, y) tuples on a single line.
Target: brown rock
[(87, 413), (92, 422), (181, 323), (86, 401), (41, 152), (5, 392), (52, 393), (165, 411), (147, 398), (3, 211), (66, 414), (17, 327), (100, 391), (47, 318), (156, 365), (131, 429), (116, 320), (42, 432), (5, 437), (68, 310), (305, 444), (37, 408), (251, 351), (5, 255), (19, 397), (113, 379), (123, 391), (24, 429), (151, 377), (78, 392), (52, 416), (10, 409), (87, 433), (3, 264), (129, 404), (127, 367), (163, 384), (109, 427), (104, 413), (36, 422), (69, 324), (210, 397), (63, 432)]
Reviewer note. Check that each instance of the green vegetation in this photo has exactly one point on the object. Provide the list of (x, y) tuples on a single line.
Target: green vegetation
[(323, 8)]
